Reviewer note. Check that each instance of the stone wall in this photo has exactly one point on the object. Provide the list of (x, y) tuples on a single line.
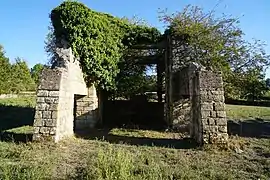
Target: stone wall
[(56, 104), (86, 110), (198, 104), (181, 100), (208, 117)]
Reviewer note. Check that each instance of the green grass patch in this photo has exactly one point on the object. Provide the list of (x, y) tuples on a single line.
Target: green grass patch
[(247, 112), (145, 133), (22, 130), (20, 101)]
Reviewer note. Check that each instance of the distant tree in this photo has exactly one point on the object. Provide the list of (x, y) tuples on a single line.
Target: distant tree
[(21, 77), (5, 68), (253, 85), (36, 71)]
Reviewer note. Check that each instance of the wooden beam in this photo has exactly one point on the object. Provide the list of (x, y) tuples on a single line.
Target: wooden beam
[(160, 45), (152, 59)]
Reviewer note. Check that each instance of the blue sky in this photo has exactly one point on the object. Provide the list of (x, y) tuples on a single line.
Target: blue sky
[(24, 23)]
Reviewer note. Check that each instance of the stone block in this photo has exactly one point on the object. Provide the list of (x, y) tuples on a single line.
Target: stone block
[(42, 106), (213, 114), (40, 100), (205, 122), (219, 106), (54, 107), (44, 130), (50, 79), (53, 131), (38, 122), (38, 114), (79, 113), (222, 129), (221, 121), (51, 100), (205, 114), (83, 104), (50, 122), (207, 106), (211, 121), (42, 93), (210, 129), (36, 130), (46, 114), (218, 98), (87, 109), (79, 108), (221, 114), (85, 99), (54, 93)]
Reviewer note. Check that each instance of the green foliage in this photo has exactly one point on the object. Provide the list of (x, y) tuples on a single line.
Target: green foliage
[(218, 43), (5, 70), (247, 112), (36, 72), (19, 102), (98, 39), (21, 77), (15, 77), (253, 85)]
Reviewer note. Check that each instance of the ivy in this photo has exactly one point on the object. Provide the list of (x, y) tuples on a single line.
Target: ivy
[(99, 40)]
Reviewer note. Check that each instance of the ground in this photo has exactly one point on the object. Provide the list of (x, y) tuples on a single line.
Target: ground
[(126, 154)]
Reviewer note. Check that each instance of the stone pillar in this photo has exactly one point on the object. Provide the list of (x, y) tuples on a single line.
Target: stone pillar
[(48, 96), (55, 109), (212, 107), (208, 117)]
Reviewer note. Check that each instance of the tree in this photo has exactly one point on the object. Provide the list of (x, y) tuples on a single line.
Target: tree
[(21, 77), (216, 43), (36, 72), (253, 85), (5, 70)]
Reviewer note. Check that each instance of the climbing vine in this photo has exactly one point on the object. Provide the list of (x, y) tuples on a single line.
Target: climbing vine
[(99, 40)]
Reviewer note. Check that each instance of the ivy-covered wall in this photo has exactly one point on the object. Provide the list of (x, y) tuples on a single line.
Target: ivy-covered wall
[(99, 40)]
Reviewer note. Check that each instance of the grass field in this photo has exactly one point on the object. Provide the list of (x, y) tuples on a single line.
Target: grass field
[(90, 158), (247, 112)]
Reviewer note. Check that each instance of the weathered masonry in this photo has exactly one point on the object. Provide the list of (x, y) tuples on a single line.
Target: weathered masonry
[(197, 101), (62, 98), (194, 98)]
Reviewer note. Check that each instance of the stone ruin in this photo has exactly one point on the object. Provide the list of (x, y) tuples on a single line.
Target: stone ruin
[(197, 102), (194, 97), (62, 98)]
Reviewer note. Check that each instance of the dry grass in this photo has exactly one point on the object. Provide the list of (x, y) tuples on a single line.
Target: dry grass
[(74, 158), (89, 159)]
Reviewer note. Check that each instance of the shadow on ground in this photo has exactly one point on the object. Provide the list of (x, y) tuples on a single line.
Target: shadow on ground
[(14, 117), (104, 134), (257, 128), (16, 137)]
